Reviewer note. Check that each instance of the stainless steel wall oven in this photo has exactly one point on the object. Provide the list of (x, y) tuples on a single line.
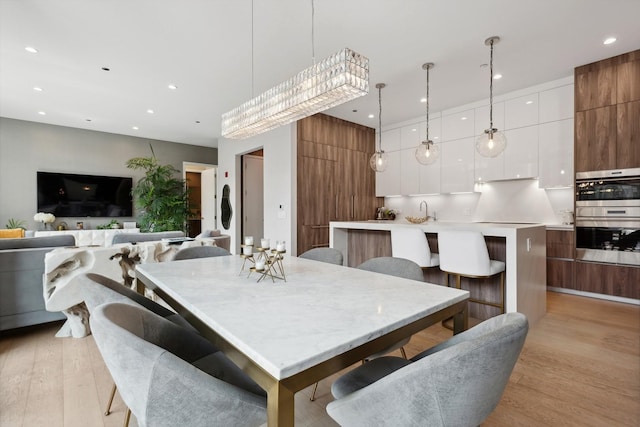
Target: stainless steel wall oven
[(608, 216)]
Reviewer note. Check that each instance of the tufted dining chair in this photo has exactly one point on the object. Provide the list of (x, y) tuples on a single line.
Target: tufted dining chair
[(200, 252), (456, 383), (168, 376)]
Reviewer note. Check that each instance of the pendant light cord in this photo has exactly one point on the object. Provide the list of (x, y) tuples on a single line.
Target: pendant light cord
[(380, 119), (427, 138), (491, 90)]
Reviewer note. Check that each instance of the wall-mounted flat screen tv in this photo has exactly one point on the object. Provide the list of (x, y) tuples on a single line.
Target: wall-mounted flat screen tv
[(72, 195)]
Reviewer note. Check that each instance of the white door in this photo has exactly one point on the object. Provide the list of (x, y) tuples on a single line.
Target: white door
[(208, 202), (253, 197)]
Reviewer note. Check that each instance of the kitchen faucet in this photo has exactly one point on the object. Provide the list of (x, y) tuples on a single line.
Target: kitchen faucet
[(426, 212)]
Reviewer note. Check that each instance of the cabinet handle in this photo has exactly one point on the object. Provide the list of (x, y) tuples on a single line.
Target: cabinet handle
[(353, 206)]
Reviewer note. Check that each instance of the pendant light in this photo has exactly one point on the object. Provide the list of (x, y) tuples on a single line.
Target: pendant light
[(379, 160), (491, 143), (427, 152)]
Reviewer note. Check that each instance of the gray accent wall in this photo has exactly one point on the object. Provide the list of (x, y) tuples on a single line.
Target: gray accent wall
[(28, 147)]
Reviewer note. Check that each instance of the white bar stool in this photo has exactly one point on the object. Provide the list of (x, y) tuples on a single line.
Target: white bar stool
[(465, 254), (411, 243)]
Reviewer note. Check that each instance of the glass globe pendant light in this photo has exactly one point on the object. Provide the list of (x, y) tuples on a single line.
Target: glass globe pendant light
[(491, 143), (379, 160), (427, 152)]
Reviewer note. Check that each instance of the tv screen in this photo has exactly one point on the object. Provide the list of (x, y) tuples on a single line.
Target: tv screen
[(71, 195)]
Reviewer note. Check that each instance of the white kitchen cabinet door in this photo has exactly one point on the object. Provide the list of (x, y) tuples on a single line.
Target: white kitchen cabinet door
[(556, 154), (556, 104), (388, 182), (411, 135), (521, 154), (457, 160), (488, 168), (409, 172), (482, 118), (390, 139), (430, 176), (521, 112), (457, 125)]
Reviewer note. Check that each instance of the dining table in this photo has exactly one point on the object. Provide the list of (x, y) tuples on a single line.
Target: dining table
[(288, 335)]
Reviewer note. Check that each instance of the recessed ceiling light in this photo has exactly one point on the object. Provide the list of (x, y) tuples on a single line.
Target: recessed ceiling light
[(497, 76), (423, 100), (135, 127), (609, 40), (150, 111), (371, 116), (414, 130), (463, 118), (529, 102), (436, 137), (37, 89), (31, 49), (42, 113), (172, 87)]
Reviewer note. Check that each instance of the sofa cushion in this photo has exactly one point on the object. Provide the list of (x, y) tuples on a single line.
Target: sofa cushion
[(11, 233), (145, 237)]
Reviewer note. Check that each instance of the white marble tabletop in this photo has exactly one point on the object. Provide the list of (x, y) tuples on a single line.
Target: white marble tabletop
[(321, 311)]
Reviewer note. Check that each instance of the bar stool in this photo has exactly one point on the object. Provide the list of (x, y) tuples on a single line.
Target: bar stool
[(411, 243), (465, 254)]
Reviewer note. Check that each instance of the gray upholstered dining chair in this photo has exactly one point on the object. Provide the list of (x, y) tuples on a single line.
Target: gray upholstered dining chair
[(328, 255), (200, 252), (399, 267), (168, 376), (145, 237), (456, 383), (98, 289)]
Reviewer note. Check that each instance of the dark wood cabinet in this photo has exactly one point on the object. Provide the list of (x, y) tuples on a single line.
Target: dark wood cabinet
[(609, 279), (560, 258), (607, 114), (335, 181)]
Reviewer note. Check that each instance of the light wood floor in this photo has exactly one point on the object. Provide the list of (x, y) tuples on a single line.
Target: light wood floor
[(580, 366)]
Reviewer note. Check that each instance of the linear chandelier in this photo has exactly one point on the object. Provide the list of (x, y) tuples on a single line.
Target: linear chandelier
[(335, 80)]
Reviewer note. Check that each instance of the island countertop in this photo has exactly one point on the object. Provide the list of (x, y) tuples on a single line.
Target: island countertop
[(525, 254)]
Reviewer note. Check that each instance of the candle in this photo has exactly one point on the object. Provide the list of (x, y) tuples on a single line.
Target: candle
[(280, 247), (265, 243), (247, 250), (248, 240), (260, 264)]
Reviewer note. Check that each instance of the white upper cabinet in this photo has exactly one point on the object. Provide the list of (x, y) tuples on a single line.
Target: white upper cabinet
[(411, 135), (556, 154), (521, 112), (556, 104), (521, 154), (489, 168), (457, 125), (482, 118), (388, 182), (457, 165), (430, 175), (409, 172)]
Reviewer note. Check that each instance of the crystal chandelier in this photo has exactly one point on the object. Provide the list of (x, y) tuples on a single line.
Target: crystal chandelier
[(379, 161), (491, 143), (427, 152), (335, 80)]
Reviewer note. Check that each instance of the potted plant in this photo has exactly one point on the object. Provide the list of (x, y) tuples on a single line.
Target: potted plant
[(15, 223), (161, 197)]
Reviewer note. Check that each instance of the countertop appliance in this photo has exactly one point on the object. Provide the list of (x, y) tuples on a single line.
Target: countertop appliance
[(608, 216)]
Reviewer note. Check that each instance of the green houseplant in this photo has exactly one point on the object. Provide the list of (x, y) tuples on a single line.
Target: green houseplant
[(161, 197), (15, 223)]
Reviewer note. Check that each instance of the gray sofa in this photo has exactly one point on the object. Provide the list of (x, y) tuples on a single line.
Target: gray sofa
[(21, 270)]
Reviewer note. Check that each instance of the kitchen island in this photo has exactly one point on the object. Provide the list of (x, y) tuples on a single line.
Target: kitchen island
[(521, 246)]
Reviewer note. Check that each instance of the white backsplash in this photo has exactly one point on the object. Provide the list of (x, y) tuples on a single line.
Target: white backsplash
[(500, 201)]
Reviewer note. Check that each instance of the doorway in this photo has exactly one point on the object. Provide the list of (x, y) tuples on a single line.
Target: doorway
[(253, 194), (201, 182)]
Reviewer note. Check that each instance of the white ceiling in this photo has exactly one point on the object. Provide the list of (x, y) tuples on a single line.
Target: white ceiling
[(205, 48)]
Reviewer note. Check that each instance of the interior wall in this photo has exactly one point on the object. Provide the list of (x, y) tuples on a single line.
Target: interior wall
[(279, 183), (28, 147)]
